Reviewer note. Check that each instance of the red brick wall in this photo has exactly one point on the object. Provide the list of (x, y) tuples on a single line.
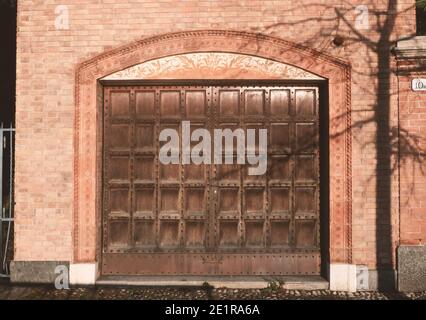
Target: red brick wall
[(46, 61), (412, 113)]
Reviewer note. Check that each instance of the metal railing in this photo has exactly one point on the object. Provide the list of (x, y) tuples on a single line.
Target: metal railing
[(7, 136)]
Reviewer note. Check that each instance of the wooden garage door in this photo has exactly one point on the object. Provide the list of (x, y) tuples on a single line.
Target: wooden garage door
[(210, 219)]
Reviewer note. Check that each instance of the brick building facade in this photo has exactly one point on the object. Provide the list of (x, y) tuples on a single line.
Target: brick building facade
[(363, 58)]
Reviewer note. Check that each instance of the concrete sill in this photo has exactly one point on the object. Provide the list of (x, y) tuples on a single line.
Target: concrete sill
[(231, 282), (413, 48)]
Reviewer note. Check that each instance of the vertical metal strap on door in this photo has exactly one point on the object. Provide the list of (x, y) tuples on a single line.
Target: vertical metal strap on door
[(6, 214)]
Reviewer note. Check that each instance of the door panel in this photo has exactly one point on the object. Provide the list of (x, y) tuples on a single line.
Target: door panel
[(211, 218)]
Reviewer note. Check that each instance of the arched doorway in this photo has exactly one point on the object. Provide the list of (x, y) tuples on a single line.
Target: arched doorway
[(214, 55)]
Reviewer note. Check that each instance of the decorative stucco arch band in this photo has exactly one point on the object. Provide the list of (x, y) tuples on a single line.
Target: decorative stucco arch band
[(87, 134)]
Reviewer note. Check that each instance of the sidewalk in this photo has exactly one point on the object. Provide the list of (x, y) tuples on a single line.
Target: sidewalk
[(48, 292)]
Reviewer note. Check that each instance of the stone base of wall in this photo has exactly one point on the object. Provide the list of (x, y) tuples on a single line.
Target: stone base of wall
[(83, 273), (342, 277), (411, 273), (36, 271), (411, 268), (374, 280)]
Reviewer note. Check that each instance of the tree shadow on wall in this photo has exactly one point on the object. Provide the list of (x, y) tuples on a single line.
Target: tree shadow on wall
[(394, 146)]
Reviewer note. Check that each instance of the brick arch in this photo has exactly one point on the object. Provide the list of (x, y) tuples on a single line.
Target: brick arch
[(87, 137)]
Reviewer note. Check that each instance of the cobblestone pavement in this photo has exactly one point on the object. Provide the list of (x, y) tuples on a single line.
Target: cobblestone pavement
[(8, 291)]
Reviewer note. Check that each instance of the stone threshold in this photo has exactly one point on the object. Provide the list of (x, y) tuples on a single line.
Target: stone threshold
[(231, 282)]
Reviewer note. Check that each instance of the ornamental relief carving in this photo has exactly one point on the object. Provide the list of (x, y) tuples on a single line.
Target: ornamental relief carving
[(212, 65)]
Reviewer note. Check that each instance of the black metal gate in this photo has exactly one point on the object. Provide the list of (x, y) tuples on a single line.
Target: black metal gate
[(7, 136)]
